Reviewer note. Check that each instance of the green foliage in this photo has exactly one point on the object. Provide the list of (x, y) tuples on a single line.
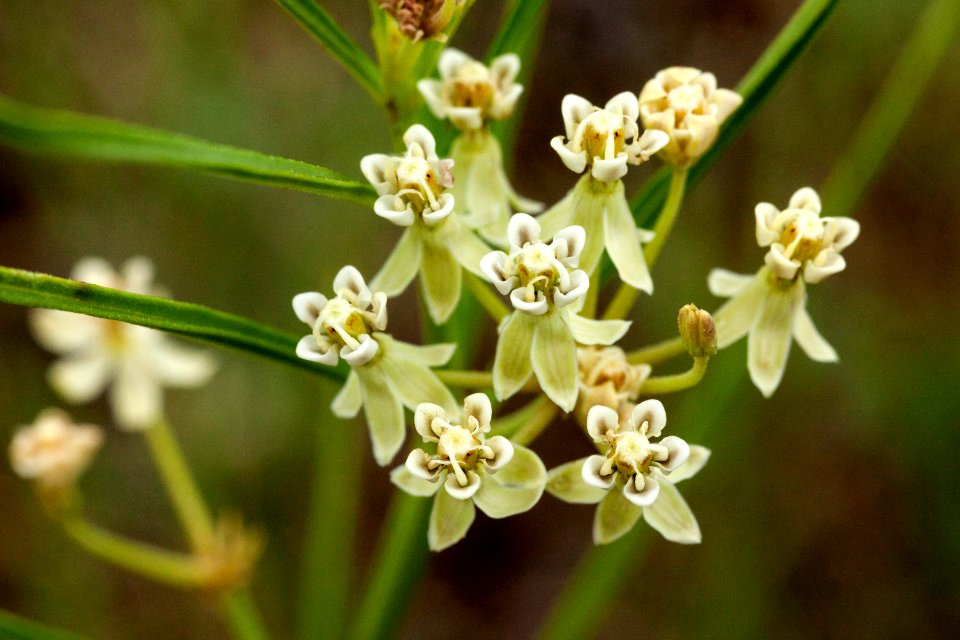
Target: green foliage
[(16, 628)]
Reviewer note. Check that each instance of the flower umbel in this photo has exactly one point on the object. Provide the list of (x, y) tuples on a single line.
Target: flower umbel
[(540, 336), (608, 379), (686, 104), (134, 361), (629, 477), (499, 477), (771, 305)]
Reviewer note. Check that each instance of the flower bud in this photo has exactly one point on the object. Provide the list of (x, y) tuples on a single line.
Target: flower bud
[(421, 19), (698, 331)]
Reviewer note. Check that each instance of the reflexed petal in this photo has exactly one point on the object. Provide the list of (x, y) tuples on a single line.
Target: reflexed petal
[(415, 383), (591, 473), (401, 266), (411, 484), (440, 278), (601, 419), (727, 284), (82, 377), (449, 520), (671, 516), (308, 349), (769, 342), (698, 457), (178, 366), (502, 501), (589, 214), (512, 365), (478, 405), (642, 497), (810, 339), (826, 264), (557, 217), (463, 492), (566, 482), (805, 198), (524, 470), (431, 355), (383, 412), (308, 306), (579, 285), (136, 398), (554, 358), (590, 331), (615, 516), (503, 452), (362, 354), (423, 417), (348, 401), (62, 332), (735, 318), (573, 160), (677, 452), (651, 412)]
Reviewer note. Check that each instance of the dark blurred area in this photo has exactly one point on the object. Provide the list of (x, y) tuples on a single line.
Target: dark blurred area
[(830, 511)]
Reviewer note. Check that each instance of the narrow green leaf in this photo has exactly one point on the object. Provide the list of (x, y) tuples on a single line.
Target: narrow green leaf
[(325, 29), (14, 627), (755, 88), (38, 290), (66, 133)]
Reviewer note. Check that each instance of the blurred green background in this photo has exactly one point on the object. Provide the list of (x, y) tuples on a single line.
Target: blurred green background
[(830, 511)]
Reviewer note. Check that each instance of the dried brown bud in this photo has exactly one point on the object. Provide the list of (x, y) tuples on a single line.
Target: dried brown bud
[(421, 19), (698, 331)]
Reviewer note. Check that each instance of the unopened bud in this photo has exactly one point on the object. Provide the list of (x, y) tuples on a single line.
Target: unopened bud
[(698, 331), (421, 19)]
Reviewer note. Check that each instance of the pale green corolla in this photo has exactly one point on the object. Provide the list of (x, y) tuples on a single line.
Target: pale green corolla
[(464, 468), (632, 475), (540, 337), (605, 141), (469, 94), (436, 243), (386, 374), (770, 306)]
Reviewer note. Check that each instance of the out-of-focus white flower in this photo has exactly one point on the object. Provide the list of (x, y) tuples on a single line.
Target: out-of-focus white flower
[(499, 477), (134, 361), (386, 375), (686, 104), (630, 476), (540, 336), (413, 194), (770, 306), (609, 380), (54, 451), (469, 93), (605, 140)]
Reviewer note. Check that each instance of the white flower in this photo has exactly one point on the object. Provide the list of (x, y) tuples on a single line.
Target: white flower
[(686, 104), (540, 336), (499, 477), (608, 379), (469, 93), (770, 306), (54, 451), (801, 241), (630, 477), (605, 139), (434, 243), (386, 374), (136, 362)]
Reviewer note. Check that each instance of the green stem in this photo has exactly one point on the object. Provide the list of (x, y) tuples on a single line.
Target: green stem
[(466, 379), (240, 612), (678, 382), (398, 562), (541, 417), (486, 297), (658, 352), (626, 295), (167, 567), (511, 423)]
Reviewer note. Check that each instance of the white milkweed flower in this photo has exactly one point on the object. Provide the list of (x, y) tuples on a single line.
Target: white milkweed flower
[(54, 451), (413, 194), (608, 379), (686, 104), (470, 94), (134, 361), (606, 140), (386, 374), (540, 336), (632, 476), (499, 477), (770, 306)]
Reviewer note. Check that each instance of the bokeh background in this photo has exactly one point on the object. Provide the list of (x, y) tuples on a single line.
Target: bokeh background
[(830, 511)]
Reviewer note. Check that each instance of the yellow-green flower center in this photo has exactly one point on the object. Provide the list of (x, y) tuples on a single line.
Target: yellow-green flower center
[(457, 443), (604, 135), (802, 237)]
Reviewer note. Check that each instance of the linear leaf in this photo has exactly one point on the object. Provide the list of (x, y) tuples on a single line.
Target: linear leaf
[(66, 133), (334, 39), (39, 290), (14, 627)]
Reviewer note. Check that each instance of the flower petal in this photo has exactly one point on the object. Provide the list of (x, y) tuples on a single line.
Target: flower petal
[(557, 217), (503, 452), (498, 500), (467, 248), (810, 339), (431, 355), (645, 496), (432, 92), (449, 520), (179, 366), (574, 109), (361, 355), (401, 265), (840, 233), (601, 419), (414, 383), (394, 209), (309, 349), (588, 212), (652, 413), (591, 473), (402, 478), (554, 358), (522, 228), (615, 517), (512, 365), (440, 279), (671, 516), (423, 417), (677, 453), (384, 413), (94, 270), (463, 492), (566, 482), (765, 213), (607, 169), (478, 406), (62, 332), (727, 284), (697, 458), (579, 285), (807, 199), (524, 470), (373, 169), (769, 342), (827, 263), (735, 318), (136, 398), (82, 377), (590, 331), (308, 306), (573, 160), (348, 401)]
